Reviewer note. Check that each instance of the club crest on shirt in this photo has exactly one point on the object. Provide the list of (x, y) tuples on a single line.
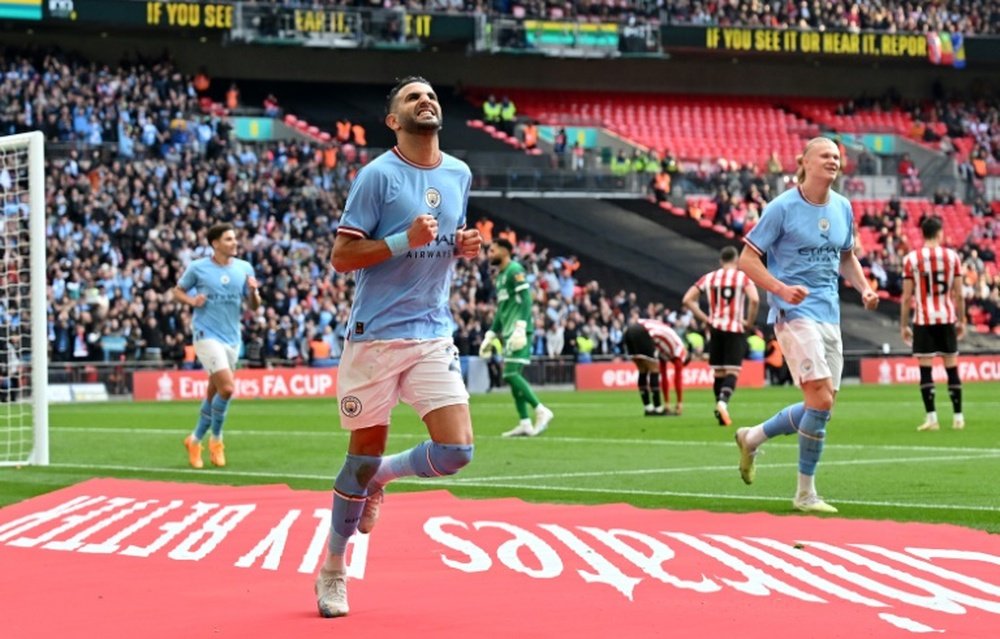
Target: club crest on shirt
[(350, 406), (432, 197), (824, 226), (224, 279)]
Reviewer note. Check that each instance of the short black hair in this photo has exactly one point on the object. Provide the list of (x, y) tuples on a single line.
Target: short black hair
[(217, 230), (728, 254), (931, 226), (394, 91), (503, 242)]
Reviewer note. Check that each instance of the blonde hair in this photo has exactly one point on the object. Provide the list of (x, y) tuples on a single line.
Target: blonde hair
[(800, 171)]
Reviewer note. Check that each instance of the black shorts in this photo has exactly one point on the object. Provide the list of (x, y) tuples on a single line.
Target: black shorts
[(934, 339), (726, 350), (638, 342)]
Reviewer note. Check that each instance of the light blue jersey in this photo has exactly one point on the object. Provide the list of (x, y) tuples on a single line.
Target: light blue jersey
[(405, 297), (225, 287), (803, 243)]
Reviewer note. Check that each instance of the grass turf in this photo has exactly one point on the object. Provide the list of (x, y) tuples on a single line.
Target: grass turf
[(599, 449)]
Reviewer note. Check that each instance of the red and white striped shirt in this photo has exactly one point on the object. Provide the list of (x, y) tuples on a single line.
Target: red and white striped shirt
[(933, 271), (669, 345), (727, 290)]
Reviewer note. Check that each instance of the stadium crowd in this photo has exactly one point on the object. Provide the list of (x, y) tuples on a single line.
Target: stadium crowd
[(883, 259), (968, 129), (142, 173), (126, 218), (738, 194), (963, 16)]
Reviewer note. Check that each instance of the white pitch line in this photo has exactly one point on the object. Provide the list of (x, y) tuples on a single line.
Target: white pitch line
[(538, 440), (442, 482), (668, 493), (728, 467), (193, 472)]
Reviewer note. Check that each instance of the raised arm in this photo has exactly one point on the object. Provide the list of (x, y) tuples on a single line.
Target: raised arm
[(905, 331), (191, 300), (691, 301), (851, 269), (351, 252), (959, 298), (753, 266), (753, 304), (254, 296)]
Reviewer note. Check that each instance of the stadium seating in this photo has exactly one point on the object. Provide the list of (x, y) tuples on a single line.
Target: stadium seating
[(958, 219), (959, 224), (287, 230), (744, 129), (828, 113), (824, 112)]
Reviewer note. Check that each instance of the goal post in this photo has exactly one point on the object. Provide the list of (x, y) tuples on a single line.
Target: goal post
[(24, 361)]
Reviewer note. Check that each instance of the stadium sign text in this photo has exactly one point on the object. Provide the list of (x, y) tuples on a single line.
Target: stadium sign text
[(898, 45), (905, 370), (273, 531), (872, 578), (152, 14), (348, 22), (940, 48), (624, 375), (278, 383), (192, 15)]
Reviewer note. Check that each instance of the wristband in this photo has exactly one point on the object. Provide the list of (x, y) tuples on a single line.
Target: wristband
[(398, 243)]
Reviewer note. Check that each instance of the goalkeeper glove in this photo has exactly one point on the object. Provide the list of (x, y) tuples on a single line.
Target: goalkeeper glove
[(486, 348), (519, 338)]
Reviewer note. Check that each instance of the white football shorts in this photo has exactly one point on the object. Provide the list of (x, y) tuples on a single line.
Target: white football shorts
[(813, 350), (215, 356), (374, 376)]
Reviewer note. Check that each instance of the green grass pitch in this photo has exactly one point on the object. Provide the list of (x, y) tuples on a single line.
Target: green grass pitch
[(599, 449)]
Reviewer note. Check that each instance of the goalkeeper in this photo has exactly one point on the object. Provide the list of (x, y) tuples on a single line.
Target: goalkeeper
[(513, 326)]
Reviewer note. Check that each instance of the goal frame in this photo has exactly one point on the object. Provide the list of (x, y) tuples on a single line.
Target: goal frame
[(35, 142)]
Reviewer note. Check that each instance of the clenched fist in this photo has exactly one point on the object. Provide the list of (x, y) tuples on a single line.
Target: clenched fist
[(423, 230), (468, 243), (793, 294)]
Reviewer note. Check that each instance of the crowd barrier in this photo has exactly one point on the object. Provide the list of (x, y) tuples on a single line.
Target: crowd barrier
[(158, 381)]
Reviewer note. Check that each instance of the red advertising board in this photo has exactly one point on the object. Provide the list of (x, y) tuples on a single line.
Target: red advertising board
[(277, 383), (904, 370), (624, 375), (568, 570)]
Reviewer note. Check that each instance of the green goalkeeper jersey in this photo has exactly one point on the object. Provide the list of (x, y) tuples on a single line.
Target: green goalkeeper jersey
[(513, 301)]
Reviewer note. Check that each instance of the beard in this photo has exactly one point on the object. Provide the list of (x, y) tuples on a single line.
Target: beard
[(495, 261), (415, 126)]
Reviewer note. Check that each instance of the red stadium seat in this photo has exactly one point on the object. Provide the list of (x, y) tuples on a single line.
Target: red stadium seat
[(744, 129)]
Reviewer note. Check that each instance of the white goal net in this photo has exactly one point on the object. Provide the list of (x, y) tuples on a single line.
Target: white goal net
[(23, 333)]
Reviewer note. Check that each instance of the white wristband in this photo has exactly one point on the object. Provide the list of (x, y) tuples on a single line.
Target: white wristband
[(398, 244)]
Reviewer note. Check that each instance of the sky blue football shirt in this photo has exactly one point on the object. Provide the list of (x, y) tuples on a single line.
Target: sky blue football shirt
[(406, 297), (803, 243), (225, 287)]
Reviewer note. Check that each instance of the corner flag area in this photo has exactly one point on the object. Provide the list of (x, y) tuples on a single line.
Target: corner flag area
[(111, 558)]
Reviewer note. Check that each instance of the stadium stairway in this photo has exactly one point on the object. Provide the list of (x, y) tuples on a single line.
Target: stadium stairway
[(617, 248), (861, 330), (324, 104)]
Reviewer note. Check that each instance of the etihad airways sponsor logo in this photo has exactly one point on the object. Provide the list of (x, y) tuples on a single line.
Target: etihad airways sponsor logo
[(874, 574)]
